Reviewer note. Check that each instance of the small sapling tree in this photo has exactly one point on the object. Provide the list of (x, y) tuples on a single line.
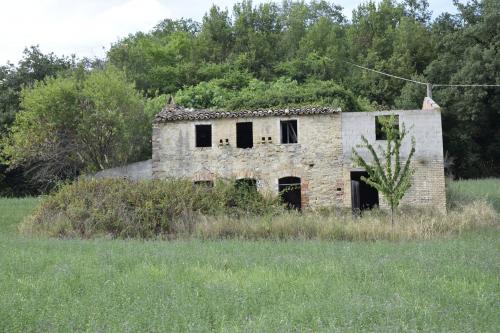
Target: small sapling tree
[(389, 177)]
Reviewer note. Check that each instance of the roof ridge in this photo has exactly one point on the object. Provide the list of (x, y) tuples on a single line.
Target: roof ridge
[(176, 113)]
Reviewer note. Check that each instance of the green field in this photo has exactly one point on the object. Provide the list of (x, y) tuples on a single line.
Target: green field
[(105, 285), (488, 189)]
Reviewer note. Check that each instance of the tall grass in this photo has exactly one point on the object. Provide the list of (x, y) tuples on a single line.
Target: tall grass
[(375, 225), (177, 209), (460, 192)]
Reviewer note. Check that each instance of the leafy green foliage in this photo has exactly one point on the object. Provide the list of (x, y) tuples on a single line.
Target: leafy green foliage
[(259, 94), (295, 53), (78, 122), (146, 209), (34, 66), (388, 176)]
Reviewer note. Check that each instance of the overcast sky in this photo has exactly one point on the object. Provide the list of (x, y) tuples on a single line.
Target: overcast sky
[(88, 27)]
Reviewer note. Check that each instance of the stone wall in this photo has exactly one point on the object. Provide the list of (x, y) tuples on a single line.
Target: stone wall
[(321, 158), (316, 158), (425, 126)]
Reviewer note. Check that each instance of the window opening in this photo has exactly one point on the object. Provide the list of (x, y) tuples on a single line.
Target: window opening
[(246, 184), (380, 134), (289, 131), (203, 135), (244, 135), (204, 183)]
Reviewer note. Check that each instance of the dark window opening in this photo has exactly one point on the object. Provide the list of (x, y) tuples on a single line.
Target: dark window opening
[(363, 196), (204, 183), (244, 135), (289, 189), (380, 133), (289, 131), (246, 184), (203, 135)]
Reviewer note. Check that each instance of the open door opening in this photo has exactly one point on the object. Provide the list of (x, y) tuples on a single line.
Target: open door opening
[(363, 196), (289, 188)]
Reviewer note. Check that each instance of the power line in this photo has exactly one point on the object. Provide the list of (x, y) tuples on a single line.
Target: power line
[(387, 74), (465, 85), (428, 84)]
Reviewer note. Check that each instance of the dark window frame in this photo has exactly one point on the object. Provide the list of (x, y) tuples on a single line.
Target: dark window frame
[(205, 183), (246, 183), (244, 135), (202, 131), (380, 134), (289, 131)]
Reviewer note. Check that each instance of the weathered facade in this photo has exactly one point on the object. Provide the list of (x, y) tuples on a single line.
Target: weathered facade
[(307, 151)]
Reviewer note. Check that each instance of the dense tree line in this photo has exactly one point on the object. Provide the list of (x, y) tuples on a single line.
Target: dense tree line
[(250, 56)]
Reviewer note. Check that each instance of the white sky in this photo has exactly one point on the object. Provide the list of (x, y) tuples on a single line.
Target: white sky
[(87, 28)]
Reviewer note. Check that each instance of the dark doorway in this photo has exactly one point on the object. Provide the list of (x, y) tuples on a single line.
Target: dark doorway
[(363, 196), (289, 188), (244, 135)]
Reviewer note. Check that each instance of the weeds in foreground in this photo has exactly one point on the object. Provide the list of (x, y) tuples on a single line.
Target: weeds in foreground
[(375, 225), (170, 209)]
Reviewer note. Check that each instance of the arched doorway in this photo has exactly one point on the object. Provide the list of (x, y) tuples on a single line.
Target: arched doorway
[(289, 189)]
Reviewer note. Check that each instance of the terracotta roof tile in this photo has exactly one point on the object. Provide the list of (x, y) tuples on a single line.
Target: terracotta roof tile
[(176, 113)]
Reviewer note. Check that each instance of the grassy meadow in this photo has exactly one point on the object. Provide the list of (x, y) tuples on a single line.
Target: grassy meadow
[(466, 190), (66, 285)]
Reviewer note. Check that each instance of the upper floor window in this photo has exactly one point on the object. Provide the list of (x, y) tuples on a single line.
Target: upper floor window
[(289, 132), (380, 122), (244, 135), (203, 135)]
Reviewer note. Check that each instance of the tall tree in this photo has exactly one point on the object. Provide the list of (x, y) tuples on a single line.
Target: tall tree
[(76, 123)]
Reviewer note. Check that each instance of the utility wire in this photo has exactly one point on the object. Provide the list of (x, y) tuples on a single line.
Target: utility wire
[(423, 83), (465, 85), (386, 74)]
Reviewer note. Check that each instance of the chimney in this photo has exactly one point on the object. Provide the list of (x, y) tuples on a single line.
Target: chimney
[(429, 104)]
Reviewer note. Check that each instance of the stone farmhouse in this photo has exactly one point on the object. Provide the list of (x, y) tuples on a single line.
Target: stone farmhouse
[(305, 151)]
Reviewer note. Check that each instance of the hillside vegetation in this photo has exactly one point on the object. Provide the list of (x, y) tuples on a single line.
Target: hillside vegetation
[(252, 56)]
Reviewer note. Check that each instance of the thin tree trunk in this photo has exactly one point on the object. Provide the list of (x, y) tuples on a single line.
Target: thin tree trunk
[(392, 217)]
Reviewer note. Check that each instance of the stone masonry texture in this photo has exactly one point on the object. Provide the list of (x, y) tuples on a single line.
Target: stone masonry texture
[(321, 158)]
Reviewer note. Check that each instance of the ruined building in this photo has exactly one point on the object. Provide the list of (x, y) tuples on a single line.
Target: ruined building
[(306, 151)]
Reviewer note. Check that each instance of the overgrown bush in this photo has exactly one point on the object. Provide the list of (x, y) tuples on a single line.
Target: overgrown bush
[(120, 208), (123, 208)]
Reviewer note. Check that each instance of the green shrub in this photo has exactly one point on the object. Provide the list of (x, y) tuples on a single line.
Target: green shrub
[(255, 94), (119, 208), (145, 209)]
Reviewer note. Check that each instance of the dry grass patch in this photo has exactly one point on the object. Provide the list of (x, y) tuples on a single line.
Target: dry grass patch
[(375, 225)]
